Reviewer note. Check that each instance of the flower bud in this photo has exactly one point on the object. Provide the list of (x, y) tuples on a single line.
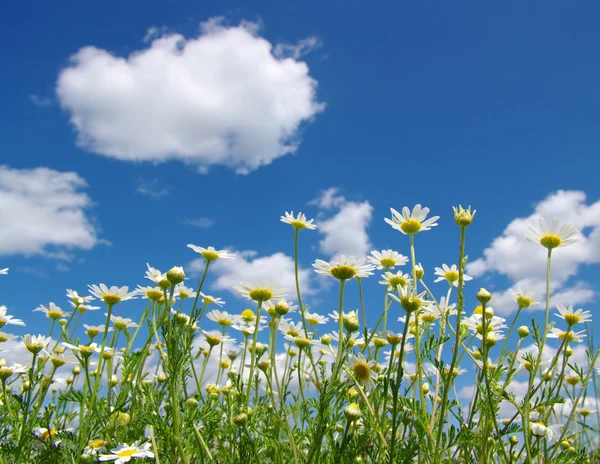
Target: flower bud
[(241, 419), (523, 331), (483, 296), (463, 217), (352, 412), (514, 440), (175, 275)]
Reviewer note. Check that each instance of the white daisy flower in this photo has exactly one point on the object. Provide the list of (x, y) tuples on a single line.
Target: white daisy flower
[(51, 311), (77, 299), (570, 335), (94, 447), (112, 295), (211, 254), (408, 301), (573, 317), (314, 319), (123, 323), (299, 222), (154, 274), (362, 369), (553, 237), (395, 280), (290, 328), (387, 259), (410, 223), (539, 429), (214, 338), (36, 343), (223, 318), (184, 292), (123, 453), (82, 308), (345, 268), (449, 274), (263, 292), (207, 299), (525, 299), (150, 293), (4, 319)]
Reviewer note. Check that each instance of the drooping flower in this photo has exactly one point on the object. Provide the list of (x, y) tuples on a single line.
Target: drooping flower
[(211, 254), (410, 223), (387, 259), (552, 237), (299, 222), (346, 267), (5, 319)]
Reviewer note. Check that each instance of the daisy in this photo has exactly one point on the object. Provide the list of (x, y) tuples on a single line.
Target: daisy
[(184, 292), (493, 325), (4, 337), (292, 329), (571, 317), (82, 308), (4, 319), (76, 298), (539, 429), (525, 299), (434, 311), (569, 335), (387, 259), (449, 274), (6, 372), (362, 369), (123, 453), (553, 237), (395, 280), (301, 341), (207, 299), (214, 338), (210, 254), (93, 330), (85, 350), (260, 292), (223, 318), (154, 274), (52, 311), (345, 268), (150, 293), (299, 222), (408, 301), (95, 446), (314, 318), (36, 343), (122, 323), (463, 217), (410, 223), (113, 295)]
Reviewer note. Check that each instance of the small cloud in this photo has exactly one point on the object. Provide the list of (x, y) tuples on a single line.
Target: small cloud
[(42, 102), (299, 49), (154, 32), (202, 223), (34, 271), (151, 187)]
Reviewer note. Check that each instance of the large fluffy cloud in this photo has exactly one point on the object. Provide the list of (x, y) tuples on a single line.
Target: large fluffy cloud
[(345, 232), (524, 263), (43, 212), (227, 97)]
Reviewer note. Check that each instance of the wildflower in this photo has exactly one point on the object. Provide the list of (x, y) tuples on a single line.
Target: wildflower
[(539, 429), (211, 254), (123, 453), (419, 271), (82, 308), (569, 335), (43, 433), (281, 308), (150, 293), (36, 343), (4, 319), (553, 237), (463, 217), (299, 222), (387, 259), (345, 268), (94, 447), (122, 323), (411, 223), (77, 299), (395, 280), (483, 296), (260, 292), (362, 369), (223, 318), (350, 321), (184, 292), (571, 317), (290, 328), (523, 331), (6, 372), (85, 350), (214, 338), (176, 275), (207, 299), (408, 301), (525, 299), (52, 311), (113, 295), (301, 341), (435, 311), (352, 412), (314, 318), (449, 274), (93, 330)]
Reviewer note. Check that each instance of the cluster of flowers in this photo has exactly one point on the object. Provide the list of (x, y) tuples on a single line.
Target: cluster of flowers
[(186, 394)]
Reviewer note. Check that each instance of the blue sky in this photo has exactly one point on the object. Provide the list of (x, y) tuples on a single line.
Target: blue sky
[(428, 102)]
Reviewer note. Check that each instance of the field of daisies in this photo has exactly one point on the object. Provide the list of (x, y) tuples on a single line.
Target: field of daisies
[(197, 381)]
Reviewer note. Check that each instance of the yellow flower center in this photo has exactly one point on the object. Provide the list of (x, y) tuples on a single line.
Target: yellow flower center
[(110, 299), (248, 315), (585, 412), (387, 262), (410, 304), (47, 434), (572, 319), (428, 317), (451, 276), (312, 320), (3, 337), (292, 333), (379, 342), (343, 272), (298, 225), (362, 371), (567, 335), (154, 295), (573, 380), (213, 340), (523, 301), (225, 322), (54, 315), (127, 452), (2, 322), (395, 281), (210, 255), (95, 444), (551, 241), (410, 227), (261, 294), (301, 342), (119, 325)]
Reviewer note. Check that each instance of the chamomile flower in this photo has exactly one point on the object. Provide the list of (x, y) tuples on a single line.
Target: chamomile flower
[(346, 267), (77, 299), (410, 223), (314, 319), (123, 323), (301, 341), (387, 259), (493, 325), (113, 295), (569, 335), (293, 329), (211, 254), (525, 299), (154, 274), (124, 452), (4, 319), (51, 311), (223, 318), (361, 369), (541, 430), (82, 307), (43, 433), (263, 292), (573, 317), (214, 338), (207, 299), (408, 300), (395, 280), (552, 237), (184, 292), (150, 293), (299, 222), (36, 343), (94, 447), (84, 349), (449, 274)]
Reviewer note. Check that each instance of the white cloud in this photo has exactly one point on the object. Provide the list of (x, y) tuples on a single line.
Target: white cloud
[(298, 50), (153, 188), (201, 222), (524, 263), (346, 231), (42, 102), (249, 267), (221, 98), (44, 213)]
